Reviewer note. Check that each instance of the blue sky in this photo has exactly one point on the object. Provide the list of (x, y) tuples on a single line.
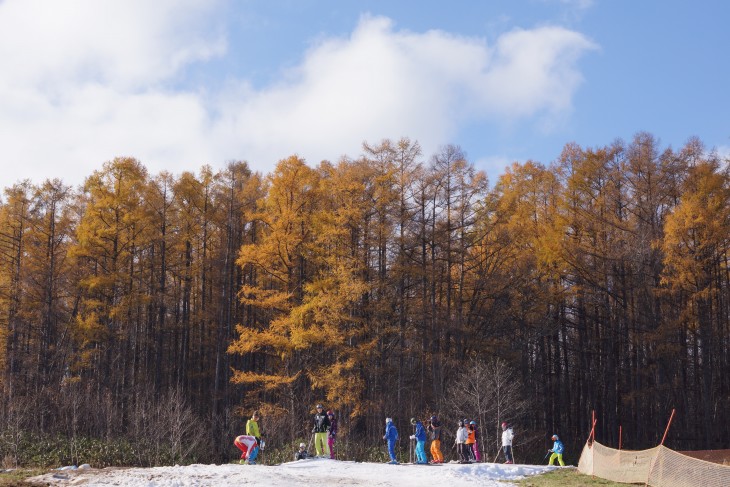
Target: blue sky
[(179, 84)]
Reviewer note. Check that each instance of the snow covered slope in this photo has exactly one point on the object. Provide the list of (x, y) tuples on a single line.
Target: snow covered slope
[(319, 472)]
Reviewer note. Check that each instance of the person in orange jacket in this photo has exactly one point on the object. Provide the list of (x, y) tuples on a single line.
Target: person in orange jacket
[(471, 441)]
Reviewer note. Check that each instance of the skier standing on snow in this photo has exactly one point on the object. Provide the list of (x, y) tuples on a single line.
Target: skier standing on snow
[(507, 438), (472, 441), (435, 429), (320, 430), (252, 427), (461, 436), (557, 451), (332, 433), (249, 448), (391, 436), (420, 437)]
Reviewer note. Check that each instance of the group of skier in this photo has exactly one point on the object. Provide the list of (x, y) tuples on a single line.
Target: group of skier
[(324, 433), (251, 442)]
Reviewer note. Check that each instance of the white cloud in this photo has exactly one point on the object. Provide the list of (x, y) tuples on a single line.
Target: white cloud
[(92, 81), (723, 152), (380, 82), (579, 4), (130, 44)]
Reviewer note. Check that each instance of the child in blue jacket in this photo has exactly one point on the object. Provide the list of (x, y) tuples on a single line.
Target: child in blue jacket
[(391, 436), (557, 451), (420, 437)]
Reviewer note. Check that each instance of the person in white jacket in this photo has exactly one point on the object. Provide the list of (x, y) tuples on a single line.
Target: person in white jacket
[(507, 437), (461, 436)]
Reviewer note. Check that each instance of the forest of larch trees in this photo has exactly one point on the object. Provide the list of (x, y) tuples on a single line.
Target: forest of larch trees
[(394, 284)]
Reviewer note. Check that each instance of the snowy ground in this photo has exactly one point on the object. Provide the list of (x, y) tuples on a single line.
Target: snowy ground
[(320, 472)]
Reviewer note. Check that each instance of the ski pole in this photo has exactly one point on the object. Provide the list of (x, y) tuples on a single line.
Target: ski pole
[(311, 438), (497, 455), (546, 455)]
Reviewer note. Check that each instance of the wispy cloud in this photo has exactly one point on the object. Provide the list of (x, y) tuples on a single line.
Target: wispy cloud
[(723, 152), (93, 84)]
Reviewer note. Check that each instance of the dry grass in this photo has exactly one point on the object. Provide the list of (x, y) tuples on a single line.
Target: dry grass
[(16, 477), (566, 478)]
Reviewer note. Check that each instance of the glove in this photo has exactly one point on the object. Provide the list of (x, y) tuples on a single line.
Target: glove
[(413, 437)]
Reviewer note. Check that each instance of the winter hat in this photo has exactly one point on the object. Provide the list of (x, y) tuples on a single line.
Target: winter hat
[(388, 420), (504, 424), (319, 406), (330, 413), (413, 420), (302, 445), (555, 437)]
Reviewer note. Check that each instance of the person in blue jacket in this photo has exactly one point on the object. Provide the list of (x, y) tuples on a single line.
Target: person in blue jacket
[(391, 436), (557, 451), (420, 437)]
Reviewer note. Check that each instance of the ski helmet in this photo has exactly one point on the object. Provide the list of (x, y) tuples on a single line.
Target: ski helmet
[(302, 445), (504, 424), (472, 422), (319, 406), (434, 418), (388, 420), (413, 420), (555, 437), (330, 412)]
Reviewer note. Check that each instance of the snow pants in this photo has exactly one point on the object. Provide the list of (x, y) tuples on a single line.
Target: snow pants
[(421, 452), (321, 445), (391, 450), (470, 452), (508, 453), (559, 456), (331, 445), (477, 455), (438, 457)]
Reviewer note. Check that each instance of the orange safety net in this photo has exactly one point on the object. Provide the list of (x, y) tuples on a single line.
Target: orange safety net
[(658, 467)]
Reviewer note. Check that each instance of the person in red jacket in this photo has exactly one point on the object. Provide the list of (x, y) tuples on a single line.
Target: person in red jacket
[(249, 448)]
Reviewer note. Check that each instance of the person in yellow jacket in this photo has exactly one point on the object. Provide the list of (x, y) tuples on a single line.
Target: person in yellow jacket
[(252, 427)]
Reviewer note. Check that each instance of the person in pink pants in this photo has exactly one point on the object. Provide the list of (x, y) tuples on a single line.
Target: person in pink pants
[(332, 433), (474, 440)]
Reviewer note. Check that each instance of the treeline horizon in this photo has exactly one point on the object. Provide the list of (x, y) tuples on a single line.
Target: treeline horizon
[(601, 281)]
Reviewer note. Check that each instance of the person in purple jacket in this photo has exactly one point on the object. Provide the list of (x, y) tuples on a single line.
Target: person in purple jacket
[(332, 433)]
